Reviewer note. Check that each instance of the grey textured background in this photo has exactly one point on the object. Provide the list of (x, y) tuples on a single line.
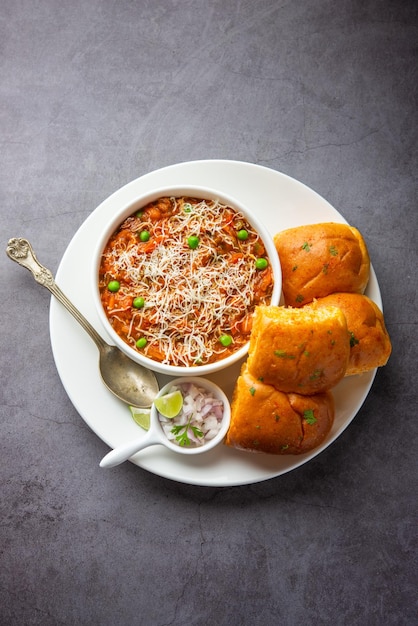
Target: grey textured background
[(96, 93)]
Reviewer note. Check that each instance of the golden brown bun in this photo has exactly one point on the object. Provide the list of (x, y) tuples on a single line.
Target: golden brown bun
[(320, 259), (303, 350), (266, 420), (369, 340)]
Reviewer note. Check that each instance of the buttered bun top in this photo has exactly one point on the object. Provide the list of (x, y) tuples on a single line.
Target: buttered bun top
[(264, 419), (303, 351), (370, 344), (320, 259)]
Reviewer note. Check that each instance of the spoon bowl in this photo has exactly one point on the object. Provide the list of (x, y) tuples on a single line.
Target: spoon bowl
[(129, 381), (156, 435)]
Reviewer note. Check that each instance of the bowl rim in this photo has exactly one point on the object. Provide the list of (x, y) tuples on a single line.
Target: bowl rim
[(198, 191), (226, 418)]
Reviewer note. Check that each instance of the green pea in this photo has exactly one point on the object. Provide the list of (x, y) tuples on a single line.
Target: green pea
[(139, 213), (261, 263), (113, 285), (144, 235), (141, 343), (138, 303), (225, 340), (193, 242), (187, 207), (242, 234)]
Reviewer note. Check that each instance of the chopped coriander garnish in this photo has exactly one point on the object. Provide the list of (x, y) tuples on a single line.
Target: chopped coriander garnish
[(353, 340), (283, 354), (316, 375), (252, 390), (333, 251), (309, 416), (181, 432), (306, 246)]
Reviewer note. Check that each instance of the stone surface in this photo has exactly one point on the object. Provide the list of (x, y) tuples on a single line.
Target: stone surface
[(95, 94)]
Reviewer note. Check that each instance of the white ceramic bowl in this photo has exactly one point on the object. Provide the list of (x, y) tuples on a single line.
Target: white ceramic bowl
[(210, 387), (156, 434), (124, 212)]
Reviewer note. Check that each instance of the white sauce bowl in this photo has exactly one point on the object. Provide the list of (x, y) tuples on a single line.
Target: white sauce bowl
[(156, 436)]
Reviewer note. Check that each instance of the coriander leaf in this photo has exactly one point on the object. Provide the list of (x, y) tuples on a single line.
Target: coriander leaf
[(197, 432), (283, 354), (316, 374), (183, 439), (177, 429), (181, 433), (353, 340), (309, 416)]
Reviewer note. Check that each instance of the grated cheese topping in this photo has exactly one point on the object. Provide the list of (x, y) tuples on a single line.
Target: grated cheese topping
[(192, 296)]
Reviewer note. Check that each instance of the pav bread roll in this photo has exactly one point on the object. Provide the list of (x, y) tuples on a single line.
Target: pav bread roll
[(266, 420), (370, 344), (302, 351), (320, 259)]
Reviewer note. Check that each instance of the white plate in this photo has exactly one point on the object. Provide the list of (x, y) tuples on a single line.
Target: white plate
[(280, 202)]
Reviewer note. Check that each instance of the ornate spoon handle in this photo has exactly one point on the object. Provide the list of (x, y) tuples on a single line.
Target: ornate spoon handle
[(21, 251)]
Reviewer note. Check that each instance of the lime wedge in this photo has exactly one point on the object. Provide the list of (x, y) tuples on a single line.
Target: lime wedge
[(141, 417), (169, 405)]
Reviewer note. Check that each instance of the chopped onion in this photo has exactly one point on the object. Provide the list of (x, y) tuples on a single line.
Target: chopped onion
[(202, 412)]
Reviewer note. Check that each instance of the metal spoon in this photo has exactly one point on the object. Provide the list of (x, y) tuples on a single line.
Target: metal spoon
[(130, 382)]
